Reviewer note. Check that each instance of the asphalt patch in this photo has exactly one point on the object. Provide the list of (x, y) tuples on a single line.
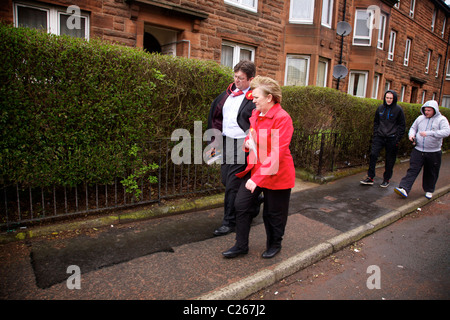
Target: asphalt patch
[(51, 258)]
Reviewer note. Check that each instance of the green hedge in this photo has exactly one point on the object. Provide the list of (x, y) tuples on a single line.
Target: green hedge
[(316, 110), (74, 111)]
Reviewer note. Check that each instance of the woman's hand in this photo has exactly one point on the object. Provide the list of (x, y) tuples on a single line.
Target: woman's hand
[(250, 185)]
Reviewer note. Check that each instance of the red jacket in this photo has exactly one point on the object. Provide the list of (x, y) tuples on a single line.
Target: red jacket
[(273, 166)]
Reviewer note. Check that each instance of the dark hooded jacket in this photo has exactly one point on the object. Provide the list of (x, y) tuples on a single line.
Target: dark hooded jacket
[(389, 119)]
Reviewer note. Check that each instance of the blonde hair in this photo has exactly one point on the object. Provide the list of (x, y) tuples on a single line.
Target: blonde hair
[(268, 86)]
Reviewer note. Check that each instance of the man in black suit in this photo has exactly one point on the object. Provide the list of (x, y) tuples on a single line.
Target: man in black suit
[(230, 113)]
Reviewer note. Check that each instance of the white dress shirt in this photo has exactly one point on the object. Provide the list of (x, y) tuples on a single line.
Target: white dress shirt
[(230, 127)]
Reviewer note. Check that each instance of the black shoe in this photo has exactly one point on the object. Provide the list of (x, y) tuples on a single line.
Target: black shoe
[(271, 252), (234, 252), (368, 181), (385, 184), (223, 230)]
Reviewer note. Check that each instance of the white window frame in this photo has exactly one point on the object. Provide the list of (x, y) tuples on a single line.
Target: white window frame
[(447, 73), (381, 31), (427, 67), (433, 19), (438, 65), (360, 37), (424, 95), (53, 16), (351, 83), (297, 57), (392, 38), (443, 27), (376, 85), (397, 5), (325, 75), (446, 101), (308, 20), (387, 85), (412, 7), (237, 51), (327, 13), (402, 93), (407, 52), (240, 4)]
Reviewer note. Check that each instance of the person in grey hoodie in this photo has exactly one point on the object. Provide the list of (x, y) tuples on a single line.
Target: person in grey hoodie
[(426, 133)]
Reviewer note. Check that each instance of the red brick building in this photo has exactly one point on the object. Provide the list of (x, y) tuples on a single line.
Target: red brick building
[(399, 45)]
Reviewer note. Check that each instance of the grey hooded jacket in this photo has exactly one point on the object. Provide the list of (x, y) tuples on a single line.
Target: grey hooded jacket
[(436, 128)]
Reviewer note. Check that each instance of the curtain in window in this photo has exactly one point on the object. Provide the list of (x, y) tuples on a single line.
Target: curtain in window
[(302, 9), (64, 26), (245, 55), (296, 72), (227, 56), (32, 18)]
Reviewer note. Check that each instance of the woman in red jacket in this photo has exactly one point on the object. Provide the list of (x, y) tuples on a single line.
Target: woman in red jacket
[(270, 169)]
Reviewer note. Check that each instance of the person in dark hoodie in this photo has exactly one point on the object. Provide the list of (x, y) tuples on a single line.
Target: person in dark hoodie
[(388, 129), (230, 113)]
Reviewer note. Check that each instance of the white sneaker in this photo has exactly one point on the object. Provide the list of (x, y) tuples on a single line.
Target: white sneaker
[(402, 192), (428, 195)]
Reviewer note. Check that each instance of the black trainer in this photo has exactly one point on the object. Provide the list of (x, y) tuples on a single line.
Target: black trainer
[(385, 184), (367, 181)]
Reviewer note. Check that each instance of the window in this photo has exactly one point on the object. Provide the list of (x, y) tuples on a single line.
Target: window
[(381, 32), (443, 27), (397, 5), (322, 72), (407, 51), (56, 20), (358, 83), (251, 5), (411, 8), (232, 53), (301, 11), (433, 20), (424, 95), (392, 38), (402, 93), (387, 85), (362, 34), (438, 65), (446, 101), (297, 70), (427, 67), (376, 83), (327, 12), (447, 73)]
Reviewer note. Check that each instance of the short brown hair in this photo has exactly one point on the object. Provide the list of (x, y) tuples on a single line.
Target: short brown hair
[(268, 86), (247, 67)]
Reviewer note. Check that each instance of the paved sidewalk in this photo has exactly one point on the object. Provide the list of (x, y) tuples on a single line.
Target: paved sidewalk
[(323, 219)]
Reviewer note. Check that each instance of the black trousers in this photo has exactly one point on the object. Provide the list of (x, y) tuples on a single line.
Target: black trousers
[(431, 163), (275, 214), (233, 161), (378, 143)]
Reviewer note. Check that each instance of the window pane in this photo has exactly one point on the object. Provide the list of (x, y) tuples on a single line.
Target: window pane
[(31, 18), (246, 55), (227, 56), (296, 72), (250, 3), (64, 26), (302, 9), (361, 24), (321, 74)]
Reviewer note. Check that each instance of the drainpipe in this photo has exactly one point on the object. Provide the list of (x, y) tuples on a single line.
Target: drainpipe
[(444, 71)]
